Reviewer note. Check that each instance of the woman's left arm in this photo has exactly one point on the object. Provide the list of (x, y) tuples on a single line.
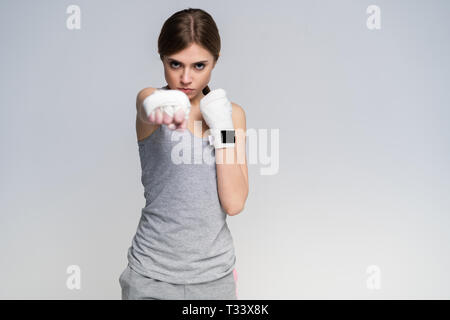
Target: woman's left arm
[(231, 167)]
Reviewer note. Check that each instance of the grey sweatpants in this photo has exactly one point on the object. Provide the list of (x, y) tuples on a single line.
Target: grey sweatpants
[(136, 287)]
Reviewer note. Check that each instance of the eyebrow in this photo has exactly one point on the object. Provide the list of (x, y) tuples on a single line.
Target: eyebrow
[(171, 59)]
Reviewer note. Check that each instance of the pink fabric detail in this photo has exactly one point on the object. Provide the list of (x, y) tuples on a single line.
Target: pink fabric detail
[(235, 281)]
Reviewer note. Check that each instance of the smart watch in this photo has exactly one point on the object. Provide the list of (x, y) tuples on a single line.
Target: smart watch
[(222, 138), (228, 136)]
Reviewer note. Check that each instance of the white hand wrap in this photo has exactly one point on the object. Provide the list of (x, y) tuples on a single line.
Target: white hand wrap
[(170, 102), (216, 109)]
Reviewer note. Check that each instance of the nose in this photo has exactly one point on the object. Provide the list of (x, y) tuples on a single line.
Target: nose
[(186, 77)]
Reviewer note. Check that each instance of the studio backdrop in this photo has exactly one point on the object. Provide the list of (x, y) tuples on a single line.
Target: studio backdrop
[(347, 115)]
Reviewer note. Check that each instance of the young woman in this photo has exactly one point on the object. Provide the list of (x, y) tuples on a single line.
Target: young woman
[(183, 248)]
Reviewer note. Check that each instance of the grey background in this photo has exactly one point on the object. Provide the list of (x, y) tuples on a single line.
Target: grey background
[(364, 144)]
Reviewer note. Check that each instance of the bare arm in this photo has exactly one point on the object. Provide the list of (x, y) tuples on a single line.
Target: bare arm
[(231, 166), (143, 126), (140, 112)]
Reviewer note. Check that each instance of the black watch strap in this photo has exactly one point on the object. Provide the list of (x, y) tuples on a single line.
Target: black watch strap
[(228, 136)]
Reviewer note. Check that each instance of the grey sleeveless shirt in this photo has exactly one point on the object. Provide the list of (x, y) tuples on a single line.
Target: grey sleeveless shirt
[(182, 236)]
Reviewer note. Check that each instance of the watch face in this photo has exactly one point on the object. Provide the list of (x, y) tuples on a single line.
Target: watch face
[(228, 136)]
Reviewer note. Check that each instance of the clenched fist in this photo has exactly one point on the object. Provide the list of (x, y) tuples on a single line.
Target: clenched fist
[(169, 107)]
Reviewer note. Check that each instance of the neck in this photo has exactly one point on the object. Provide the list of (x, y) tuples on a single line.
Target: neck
[(195, 102)]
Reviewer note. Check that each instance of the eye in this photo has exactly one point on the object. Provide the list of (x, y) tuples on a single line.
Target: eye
[(172, 63), (201, 64)]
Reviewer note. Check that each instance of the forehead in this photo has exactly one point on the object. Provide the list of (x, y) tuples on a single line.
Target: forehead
[(194, 53)]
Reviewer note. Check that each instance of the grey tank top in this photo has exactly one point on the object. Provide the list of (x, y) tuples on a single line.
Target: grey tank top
[(182, 236)]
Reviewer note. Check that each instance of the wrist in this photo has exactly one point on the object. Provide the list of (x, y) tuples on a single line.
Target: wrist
[(222, 138)]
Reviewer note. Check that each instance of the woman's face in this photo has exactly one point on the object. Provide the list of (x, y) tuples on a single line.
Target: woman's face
[(190, 68)]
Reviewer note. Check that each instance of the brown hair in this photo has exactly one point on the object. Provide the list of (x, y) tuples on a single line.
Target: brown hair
[(189, 26)]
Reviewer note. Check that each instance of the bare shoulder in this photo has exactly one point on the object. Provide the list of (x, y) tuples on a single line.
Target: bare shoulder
[(238, 115), (143, 128), (142, 94)]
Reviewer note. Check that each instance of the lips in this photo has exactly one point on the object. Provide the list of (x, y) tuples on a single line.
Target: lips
[(185, 90)]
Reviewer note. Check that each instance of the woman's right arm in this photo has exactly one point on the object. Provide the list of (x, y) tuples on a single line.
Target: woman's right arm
[(141, 115), (143, 126), (169, 107)]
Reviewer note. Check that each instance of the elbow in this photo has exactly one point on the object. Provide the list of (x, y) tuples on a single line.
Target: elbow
[(237, 207), (234, 210)]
